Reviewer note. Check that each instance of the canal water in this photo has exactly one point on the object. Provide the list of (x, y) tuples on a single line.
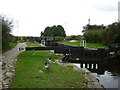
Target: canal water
[(107, 72)]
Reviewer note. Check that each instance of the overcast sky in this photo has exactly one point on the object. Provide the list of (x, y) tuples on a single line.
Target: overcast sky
[(34, 15)]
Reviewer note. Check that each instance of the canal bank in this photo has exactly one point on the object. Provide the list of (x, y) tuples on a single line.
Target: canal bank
[(93, 82)]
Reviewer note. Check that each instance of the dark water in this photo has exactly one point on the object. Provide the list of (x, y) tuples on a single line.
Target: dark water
[(107, 72)]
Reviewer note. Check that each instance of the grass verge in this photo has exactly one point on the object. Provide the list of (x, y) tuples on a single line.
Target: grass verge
[(33, 44), (27, 73), (89, 45), (12, 45)]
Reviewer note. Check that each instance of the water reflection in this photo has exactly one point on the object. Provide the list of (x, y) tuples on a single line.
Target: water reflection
[(108, 79), (107, 72)]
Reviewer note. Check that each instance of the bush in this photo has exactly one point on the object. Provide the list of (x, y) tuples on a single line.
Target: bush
[(93, 36), (110, 35), (6, 29)]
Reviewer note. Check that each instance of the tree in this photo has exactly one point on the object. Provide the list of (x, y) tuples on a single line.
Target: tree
[(13, 38), (6, 29), (93, 36), (61, 31), (41, 34), (47, 31), (112, 33), (74, 37), (54, 31)]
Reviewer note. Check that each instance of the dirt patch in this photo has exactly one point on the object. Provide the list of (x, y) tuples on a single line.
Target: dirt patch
[(41, 71)]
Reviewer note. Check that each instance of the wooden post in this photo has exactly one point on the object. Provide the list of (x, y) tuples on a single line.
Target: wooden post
[(85, 65), (90, 66), (81, 65)]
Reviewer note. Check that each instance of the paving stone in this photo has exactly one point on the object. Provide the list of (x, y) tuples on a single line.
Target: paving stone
[(9, 73), (97, 85), (6, 85), (12, 70)]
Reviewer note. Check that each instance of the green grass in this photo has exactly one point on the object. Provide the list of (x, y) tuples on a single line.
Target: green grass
[(27, 73), (89, 45), (33, 44), (12, 45), (96, 45), (70, 43)]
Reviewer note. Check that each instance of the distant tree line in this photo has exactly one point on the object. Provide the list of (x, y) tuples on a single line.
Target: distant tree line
[(74, 37), (91, 27), (54, 31), (108, 35)]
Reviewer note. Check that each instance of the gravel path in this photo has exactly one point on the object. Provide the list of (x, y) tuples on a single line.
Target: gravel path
[(8, 56), (6, 60)]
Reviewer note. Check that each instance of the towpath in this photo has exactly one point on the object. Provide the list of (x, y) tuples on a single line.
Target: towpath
[(6, 60)]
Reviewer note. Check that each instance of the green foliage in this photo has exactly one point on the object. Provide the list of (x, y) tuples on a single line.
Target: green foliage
[(8, 40), (96, 45), (33, 44), (77, 43), (41, 34), (54, 31), (110, 35), (47, 31), (13, 39), (93, 27), (11, 44), (93, 36), (78, 37), (6, 29)]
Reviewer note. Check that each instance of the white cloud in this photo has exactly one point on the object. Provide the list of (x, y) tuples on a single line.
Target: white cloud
[(34, 15), (105, 5)]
